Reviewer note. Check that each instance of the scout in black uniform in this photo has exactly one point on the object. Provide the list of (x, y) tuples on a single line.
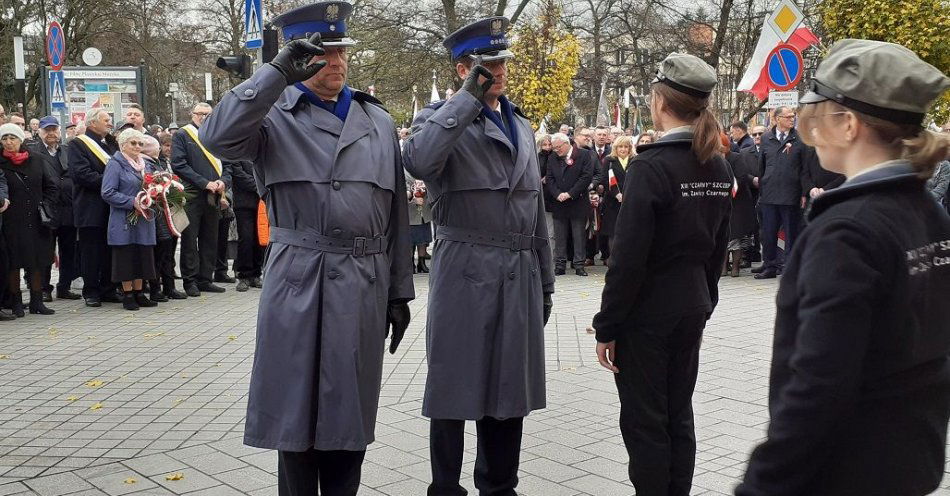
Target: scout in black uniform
[(669, 245), (859, 393)]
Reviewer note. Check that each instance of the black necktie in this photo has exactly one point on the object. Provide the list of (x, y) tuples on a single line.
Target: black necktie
[(781, 136)]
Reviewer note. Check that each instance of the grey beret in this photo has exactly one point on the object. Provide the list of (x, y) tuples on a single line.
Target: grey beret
[(880, 79), (687, 74)]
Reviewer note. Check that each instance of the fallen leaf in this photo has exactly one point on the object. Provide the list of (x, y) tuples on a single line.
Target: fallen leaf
[(232, 337), (130, 481), (153, 335), (217, 365), (585, 295), (96, 406), (5, 357), (95, 383), (184, 376), (53, 331), (178, 401), (175, 477), (72, 398)]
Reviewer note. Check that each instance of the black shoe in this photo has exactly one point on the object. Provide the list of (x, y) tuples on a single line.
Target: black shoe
[(143, 300), (93, 302), (767, 274), (758, 270), (256, 282), (243, 285), (421, 267), (581, 272), (17, 304), (174, 294), (211, 288), (36, 304), (129, 303), (6, 316), (224, 278), (47, 296), (112, 298), (66, 294), (560, 271), (158, 297), (192, 291)]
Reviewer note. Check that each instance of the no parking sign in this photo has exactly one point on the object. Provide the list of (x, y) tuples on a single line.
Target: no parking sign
[(784, 67)]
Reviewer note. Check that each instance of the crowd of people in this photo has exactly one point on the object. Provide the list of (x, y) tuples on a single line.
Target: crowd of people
[(73, 201)]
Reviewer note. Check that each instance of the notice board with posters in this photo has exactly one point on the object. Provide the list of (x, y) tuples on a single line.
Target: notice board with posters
[(111, 88)]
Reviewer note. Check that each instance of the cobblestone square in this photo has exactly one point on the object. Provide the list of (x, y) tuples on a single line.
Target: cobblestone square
[(108, 402)]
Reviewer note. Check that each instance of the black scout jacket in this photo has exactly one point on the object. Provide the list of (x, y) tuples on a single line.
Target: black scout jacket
[(859, 393), (670, 238)]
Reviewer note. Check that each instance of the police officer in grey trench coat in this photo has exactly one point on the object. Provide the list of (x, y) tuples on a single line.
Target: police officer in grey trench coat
[(338, 270), (491, 279)]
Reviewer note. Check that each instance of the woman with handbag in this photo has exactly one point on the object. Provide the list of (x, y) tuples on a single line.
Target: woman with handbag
[(27, 224), (133, 257)]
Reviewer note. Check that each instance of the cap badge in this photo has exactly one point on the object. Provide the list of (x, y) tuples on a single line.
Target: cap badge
[(332, 13), (496, 27)]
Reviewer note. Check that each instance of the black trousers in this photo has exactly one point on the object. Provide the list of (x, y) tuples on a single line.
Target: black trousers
[(69, 271), (658, 364), (221, 259), (603, 242), (336, 473), (496, 462), (164, 265), (775, 217), (95, 258), (199, 241), (565, 229), (250, 254)]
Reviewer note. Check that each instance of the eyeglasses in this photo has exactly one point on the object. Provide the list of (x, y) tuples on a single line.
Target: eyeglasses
[(202, 114), (786, 116), (757, 134), (136, 143)]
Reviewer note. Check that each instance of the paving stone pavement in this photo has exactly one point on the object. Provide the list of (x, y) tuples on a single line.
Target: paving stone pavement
[(103, 401)]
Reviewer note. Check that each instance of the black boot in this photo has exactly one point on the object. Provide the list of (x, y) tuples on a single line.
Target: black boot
[(6, 316), (422, 266), (143, 300), (128, 301), (16, 303), (36, 304)]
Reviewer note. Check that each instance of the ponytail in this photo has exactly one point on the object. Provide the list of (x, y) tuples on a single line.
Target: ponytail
[(706, 130), (926, 150)]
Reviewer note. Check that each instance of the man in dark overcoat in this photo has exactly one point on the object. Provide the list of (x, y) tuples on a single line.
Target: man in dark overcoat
[(569, 174), (338, 269), (491, 279)]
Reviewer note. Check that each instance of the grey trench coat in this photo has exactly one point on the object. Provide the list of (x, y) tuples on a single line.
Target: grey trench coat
[(485, 331), (322, 322)]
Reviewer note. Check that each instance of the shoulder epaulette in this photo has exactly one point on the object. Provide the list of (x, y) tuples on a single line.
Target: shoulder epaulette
[(359, 96), (435, 105)]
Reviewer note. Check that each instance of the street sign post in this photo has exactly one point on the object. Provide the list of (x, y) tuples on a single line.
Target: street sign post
[(784, 67), (782, 99), (253, 25), (57, 90), (55, 46)]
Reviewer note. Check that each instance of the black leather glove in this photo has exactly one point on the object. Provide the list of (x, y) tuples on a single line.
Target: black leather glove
[(548, 306), (293, 61), (397, 316), (471, 84)]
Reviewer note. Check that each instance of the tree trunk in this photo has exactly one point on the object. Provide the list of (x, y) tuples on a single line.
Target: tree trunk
[(721, 30)]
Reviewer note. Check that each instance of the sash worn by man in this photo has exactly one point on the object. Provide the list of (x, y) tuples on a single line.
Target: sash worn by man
[(338, 270), (491, 279)]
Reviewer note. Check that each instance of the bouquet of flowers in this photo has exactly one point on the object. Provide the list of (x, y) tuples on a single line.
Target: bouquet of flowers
[(418, 191), (164, 193)]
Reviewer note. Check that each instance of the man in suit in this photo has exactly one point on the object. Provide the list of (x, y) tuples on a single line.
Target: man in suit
[(57, 164), (602, 142), (569, 174), (88, 155), (739, 135), (751, 155), (781, 185), (206, 178)]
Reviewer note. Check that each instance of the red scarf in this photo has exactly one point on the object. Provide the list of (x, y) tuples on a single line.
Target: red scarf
[(17, 158)]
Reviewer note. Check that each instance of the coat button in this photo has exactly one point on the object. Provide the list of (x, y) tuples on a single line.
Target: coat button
[(372, 278), (333, 274), (337, 185), (511, 275), (248, 92), (450, 121), (337, 231)]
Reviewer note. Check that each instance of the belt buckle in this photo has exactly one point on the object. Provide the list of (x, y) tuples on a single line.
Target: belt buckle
[(515, 244), (359, 246)]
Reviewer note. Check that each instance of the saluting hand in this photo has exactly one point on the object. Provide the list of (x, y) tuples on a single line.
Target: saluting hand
[(295, 60), (472, 84)]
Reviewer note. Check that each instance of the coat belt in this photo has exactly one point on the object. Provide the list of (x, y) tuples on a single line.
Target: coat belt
[(357, 246), (512, 241)]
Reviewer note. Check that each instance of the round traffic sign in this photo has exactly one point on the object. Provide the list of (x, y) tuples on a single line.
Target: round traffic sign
[(55, 46), (784, 67)]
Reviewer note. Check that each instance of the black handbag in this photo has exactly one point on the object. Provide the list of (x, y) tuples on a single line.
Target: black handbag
[(47, 219)]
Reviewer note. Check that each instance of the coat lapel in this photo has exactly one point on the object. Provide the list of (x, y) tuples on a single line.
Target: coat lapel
[(356, 126), (493, 131), (525, 150), (325, 120)]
